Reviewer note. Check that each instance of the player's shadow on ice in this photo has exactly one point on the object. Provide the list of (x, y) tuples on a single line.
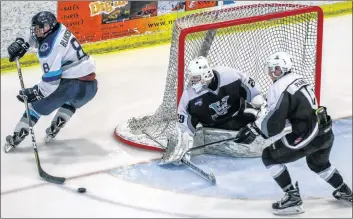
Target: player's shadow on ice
[(68, 151)]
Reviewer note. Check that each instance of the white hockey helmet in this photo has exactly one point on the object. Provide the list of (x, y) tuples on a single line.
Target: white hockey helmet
[(199, 72), (278, 64)]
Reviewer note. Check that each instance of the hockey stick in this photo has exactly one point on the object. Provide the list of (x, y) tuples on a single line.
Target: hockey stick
[(208, 176), (208, 144), (42, 173), (285, 130)]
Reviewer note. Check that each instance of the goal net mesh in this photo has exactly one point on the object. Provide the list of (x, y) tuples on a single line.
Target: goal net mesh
[(242, 46)]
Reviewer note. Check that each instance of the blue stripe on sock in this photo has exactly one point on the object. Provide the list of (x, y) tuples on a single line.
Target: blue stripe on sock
[(34, 114)]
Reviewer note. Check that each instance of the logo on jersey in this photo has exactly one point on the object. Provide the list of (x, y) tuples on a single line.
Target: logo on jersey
[(198, 102), (298, 140), (44, 47), (220, 107)]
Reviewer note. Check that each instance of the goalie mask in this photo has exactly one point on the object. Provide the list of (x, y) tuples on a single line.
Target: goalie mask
[(199, 73), (278, 64)]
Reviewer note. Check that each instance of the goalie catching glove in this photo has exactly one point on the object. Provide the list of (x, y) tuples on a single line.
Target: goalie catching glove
[(177, 148)]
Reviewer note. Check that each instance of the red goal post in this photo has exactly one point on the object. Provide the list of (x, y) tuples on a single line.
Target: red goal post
[(260, 28)]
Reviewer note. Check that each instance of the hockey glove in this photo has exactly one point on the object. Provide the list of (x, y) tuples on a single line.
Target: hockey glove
[(31, 94), (17, 49), (246, 135)]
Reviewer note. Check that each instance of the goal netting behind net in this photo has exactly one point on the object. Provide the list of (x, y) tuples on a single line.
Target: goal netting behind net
[(239, 37)]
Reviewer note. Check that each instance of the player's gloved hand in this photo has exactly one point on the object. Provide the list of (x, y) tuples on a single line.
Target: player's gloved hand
[(31, 94), (17, 49), (177, 148), (246, 135), (258, 102)]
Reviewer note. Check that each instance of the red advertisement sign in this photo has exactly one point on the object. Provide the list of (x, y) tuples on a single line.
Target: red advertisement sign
[(102, 20), (194, 5)]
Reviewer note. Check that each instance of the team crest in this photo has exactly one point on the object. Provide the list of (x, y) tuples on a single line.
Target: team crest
[(44, 47), (220, 107), (198, 102)]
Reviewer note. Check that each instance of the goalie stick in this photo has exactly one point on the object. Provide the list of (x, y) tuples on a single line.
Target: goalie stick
[(211, 143), (42, 173), (208, 176), (285, 130)]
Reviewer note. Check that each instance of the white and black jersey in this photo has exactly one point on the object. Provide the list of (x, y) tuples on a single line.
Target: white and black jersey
[(292, 99), (218, 102)]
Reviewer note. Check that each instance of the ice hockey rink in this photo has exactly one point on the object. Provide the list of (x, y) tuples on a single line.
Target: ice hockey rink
[(122, 181)]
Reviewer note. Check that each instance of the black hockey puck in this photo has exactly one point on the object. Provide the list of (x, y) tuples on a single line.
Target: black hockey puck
[(81, 190)]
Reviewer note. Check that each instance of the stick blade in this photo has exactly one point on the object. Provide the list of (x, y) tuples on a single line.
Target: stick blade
[(212, 179), (52, 179)]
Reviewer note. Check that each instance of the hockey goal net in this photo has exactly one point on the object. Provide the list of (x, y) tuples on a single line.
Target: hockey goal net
[(239, 37)]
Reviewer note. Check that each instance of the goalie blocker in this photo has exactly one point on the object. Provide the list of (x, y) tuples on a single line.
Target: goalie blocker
[(291, 98), (216, 100)]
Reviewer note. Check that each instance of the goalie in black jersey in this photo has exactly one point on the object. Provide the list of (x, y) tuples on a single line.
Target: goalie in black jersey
[(216, 100), (291, 100)]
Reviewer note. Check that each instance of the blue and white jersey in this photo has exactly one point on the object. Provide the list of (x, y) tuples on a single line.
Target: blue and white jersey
[(61, 56)]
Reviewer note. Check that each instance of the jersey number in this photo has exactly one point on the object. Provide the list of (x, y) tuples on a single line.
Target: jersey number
[(251, 82), (181, 118), (46, 67), (79, 51), (77, 46)]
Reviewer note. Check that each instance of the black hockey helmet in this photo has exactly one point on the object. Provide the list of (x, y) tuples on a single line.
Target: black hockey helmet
[(42, 24)]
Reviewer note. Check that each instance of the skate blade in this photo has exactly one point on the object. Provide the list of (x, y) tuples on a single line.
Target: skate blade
[(8, 148), (289, 211), (47, 139), (344, 200)]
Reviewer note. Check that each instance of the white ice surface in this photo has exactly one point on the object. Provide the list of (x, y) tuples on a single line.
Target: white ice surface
[(85, 149)]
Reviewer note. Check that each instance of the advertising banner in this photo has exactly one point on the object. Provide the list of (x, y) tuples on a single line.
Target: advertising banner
[(194, 5), (103, 20), (165, 7), (120, 11), (229, 2), (143, 9)]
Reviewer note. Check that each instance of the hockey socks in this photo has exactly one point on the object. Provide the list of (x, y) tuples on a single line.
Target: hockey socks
[(63, 115), (65, 111), (21, 131), (334, 178), (291, 203)]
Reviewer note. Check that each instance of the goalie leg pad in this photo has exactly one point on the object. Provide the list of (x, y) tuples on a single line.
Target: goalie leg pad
[(177, 147)]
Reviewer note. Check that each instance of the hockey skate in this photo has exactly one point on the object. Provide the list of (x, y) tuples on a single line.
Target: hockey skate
[(290, 204), (343, 193), (13, 140), (54, 129)]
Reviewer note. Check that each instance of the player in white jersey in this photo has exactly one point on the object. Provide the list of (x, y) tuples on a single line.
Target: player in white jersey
[(68, 80), (291, 99), (216, 100)]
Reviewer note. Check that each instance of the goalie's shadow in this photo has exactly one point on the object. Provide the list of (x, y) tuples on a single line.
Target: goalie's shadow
[(65, 151)]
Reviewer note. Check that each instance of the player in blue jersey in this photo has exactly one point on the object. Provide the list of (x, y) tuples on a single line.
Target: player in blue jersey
[(68, 80)]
